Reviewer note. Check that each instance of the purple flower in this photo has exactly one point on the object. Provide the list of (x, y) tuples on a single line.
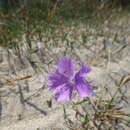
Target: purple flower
[(65, 79)]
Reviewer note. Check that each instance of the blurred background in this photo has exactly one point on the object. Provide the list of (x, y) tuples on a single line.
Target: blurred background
[(19, 17)]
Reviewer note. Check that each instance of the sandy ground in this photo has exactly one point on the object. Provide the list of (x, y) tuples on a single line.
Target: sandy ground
[(24, 104)]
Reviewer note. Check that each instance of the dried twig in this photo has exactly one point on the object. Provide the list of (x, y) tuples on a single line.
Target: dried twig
[(12, 81)]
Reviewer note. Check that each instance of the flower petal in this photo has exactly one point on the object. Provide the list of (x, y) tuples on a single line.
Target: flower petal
[(84, 70), (66, 66), (83, 87), (56, 79), (64, 93)]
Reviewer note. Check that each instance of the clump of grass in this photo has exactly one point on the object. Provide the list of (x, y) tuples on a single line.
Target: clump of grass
[(105, 114)]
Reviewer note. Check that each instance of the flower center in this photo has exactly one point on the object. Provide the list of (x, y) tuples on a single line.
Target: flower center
[(72, 82)]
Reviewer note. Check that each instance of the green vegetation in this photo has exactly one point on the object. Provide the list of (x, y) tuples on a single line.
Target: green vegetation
[(34, 18)]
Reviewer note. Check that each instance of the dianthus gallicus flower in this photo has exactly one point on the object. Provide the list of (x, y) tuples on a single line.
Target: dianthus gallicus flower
[(65, 79)]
